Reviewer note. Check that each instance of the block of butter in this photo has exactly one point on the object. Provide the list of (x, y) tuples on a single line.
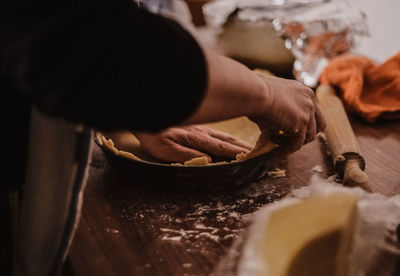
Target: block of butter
[(311, 236)]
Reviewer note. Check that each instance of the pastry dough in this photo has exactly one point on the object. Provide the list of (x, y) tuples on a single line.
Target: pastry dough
[(109, 144), (129, 155), (263, 145), (125, 144), (277, 173), (198, 161), (263, 71)]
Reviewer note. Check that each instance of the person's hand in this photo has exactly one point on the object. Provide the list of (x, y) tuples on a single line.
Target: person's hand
[(273, 103), (180, 144), (292, 108)]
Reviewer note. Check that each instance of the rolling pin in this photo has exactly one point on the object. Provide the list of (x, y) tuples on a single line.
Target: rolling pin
[(341, 140)]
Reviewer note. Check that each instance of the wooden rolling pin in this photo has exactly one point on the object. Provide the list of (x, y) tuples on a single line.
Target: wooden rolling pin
[(341, 140)]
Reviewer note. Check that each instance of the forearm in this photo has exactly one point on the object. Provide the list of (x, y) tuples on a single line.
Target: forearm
[(233, 90)]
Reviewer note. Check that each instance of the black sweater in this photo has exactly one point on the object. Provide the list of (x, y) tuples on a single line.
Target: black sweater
[(106, 64)]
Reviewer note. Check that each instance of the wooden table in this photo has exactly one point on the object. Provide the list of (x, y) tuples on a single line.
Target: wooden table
[(126, 229)]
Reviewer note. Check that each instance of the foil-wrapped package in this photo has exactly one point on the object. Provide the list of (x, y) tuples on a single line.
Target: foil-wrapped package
[(313, 30), (318, 33), (218, 11), (245, 31)]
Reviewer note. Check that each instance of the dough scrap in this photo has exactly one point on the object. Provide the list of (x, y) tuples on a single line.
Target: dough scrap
[(203, 161), (99, 138), (277, 173), (241, 156), (129, 155), (198, 161)]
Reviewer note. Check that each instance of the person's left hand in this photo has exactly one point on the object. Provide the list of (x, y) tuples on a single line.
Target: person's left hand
[(180, 144)]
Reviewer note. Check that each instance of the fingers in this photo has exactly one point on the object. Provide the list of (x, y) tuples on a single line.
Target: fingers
[(305, 135), (185, 143), (212, 145), (171, 151), (311, 130), (221, 148), (320, 120), (318, 115), (296, 141), (315, 123), (228, 138), (182, 154)]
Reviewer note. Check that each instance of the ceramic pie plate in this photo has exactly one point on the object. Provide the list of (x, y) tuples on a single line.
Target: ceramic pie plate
[(147, 171)]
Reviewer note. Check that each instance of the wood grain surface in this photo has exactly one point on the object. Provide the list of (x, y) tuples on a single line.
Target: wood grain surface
[(127, 229)]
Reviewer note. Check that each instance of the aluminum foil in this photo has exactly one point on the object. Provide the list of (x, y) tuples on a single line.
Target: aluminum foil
[(319, 33), (314, 30), (217, 12)]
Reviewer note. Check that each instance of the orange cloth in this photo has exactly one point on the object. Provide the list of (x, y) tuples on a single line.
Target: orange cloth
[(369, 90)]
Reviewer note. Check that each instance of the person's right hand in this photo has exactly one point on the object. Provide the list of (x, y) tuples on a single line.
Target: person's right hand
[(273, 103), (292, 108)]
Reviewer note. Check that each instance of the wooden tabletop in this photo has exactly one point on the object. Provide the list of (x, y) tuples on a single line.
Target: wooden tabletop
[(127, 229)]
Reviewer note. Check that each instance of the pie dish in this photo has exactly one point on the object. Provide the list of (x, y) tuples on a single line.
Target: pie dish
[(127, 159)]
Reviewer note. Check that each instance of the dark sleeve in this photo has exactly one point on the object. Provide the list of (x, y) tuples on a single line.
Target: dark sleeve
[(109, 66)]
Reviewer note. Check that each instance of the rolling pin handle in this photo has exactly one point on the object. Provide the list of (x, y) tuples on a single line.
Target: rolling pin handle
[(354, 176)]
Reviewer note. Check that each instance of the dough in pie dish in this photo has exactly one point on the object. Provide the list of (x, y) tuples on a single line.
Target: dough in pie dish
[(263, 145), (124, 143)]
